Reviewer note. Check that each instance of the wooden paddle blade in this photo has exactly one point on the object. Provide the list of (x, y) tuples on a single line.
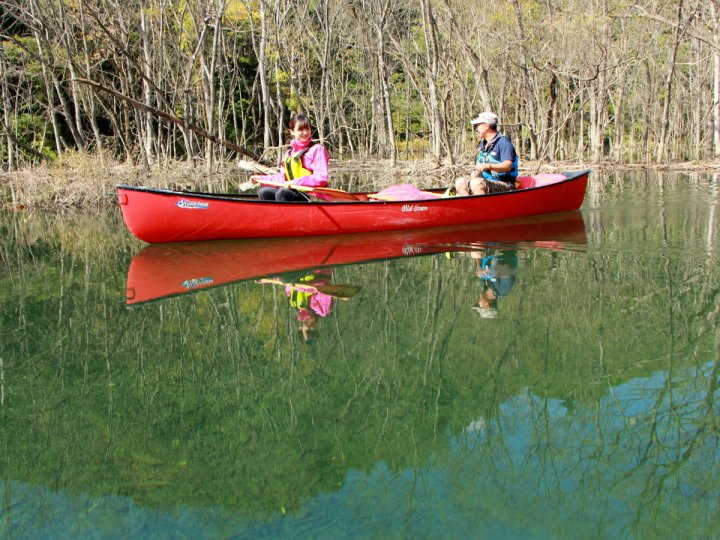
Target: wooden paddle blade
[(339, 291), (253, 167)]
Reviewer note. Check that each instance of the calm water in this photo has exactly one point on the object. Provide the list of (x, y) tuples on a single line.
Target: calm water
[(168, 392)]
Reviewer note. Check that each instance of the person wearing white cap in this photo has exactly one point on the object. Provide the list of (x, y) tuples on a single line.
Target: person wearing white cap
[(496, 165), (496, 268)]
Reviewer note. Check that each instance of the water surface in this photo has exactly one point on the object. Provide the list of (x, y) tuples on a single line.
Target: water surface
[(170, 392)]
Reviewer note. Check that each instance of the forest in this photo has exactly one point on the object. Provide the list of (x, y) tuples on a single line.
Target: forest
[(209, 81)]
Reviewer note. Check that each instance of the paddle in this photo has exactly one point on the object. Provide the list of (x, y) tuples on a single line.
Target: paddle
[(341, 292), (337, 194)]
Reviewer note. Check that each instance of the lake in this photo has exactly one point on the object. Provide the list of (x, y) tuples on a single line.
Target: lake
[(547, 378)]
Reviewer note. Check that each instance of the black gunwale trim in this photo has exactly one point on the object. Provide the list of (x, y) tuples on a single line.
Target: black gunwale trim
[(571, 176)]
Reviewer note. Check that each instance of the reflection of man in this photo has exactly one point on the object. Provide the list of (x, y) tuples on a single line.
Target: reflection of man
[(496, 269)]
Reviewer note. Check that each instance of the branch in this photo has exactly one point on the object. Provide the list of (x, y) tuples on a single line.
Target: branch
[(676, 25), (175, 120), (21, 144)]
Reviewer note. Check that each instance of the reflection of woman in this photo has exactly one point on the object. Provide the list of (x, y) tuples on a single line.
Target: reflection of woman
[(309, 301), (305, 164)]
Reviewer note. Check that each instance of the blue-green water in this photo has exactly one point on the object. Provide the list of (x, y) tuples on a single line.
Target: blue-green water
[(582, 403)]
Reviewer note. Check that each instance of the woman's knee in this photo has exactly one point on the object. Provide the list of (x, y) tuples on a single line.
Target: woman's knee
[(267, 193), (285, 194)]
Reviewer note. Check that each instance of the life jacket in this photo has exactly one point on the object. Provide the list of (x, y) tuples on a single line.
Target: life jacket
[(485, 156), (293, 165), (298, 298), (499, 272)]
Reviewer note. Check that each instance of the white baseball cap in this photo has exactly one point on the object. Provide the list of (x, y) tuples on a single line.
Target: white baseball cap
[(485, 313), (488, 118)]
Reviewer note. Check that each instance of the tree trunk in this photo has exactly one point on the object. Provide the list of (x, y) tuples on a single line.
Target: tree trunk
[(50, 91), (599, 90), (528, 87), (148, 135), (208, 65), (477, 66), (715, 25), (433, 61), (716, 96), (645, 139), (263, 71), (618, 143), (89, 99), (384, 103), (7, 124), (553, 135), (665, 118), (47, 59)]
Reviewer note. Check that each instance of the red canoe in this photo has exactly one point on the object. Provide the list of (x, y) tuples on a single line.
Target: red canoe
[(160, 215), (161, 271)]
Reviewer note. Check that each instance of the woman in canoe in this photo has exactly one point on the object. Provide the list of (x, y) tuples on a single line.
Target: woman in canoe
[(305, 164)]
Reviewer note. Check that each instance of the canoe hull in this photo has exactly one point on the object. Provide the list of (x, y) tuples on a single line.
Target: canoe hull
[(158, 216)]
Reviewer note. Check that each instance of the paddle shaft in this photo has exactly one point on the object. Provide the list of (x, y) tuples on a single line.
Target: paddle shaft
[(337, 291), (312, 190)]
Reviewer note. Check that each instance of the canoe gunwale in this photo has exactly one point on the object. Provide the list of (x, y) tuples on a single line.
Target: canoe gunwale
[(252, 199)]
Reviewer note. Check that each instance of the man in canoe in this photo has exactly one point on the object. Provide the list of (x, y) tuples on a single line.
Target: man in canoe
[(305, 164), (496, 165)]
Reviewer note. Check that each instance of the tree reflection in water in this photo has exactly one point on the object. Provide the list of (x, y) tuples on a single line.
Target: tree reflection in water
[(587, 408)]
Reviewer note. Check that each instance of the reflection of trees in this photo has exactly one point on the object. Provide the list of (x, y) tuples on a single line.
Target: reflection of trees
[(212, 399), (676, 434), (645, 458)]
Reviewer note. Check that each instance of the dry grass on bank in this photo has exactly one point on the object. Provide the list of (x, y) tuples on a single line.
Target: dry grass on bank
[(78, 181)]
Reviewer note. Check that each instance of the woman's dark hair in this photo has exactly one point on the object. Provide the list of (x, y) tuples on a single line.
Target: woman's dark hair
[(299, 121)]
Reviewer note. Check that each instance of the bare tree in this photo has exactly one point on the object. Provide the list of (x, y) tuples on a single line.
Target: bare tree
[(9, 149), (570, 80), (529, 91), (678, 32), (714, 10)]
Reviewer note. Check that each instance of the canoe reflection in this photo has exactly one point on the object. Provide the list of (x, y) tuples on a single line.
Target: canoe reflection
[(163, 270)]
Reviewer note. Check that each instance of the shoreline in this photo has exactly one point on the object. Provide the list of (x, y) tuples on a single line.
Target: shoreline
[(77, 181)]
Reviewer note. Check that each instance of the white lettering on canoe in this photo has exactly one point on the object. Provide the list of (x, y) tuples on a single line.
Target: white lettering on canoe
[(191, 205), (413, 208), (197, 282), (411, 250)]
